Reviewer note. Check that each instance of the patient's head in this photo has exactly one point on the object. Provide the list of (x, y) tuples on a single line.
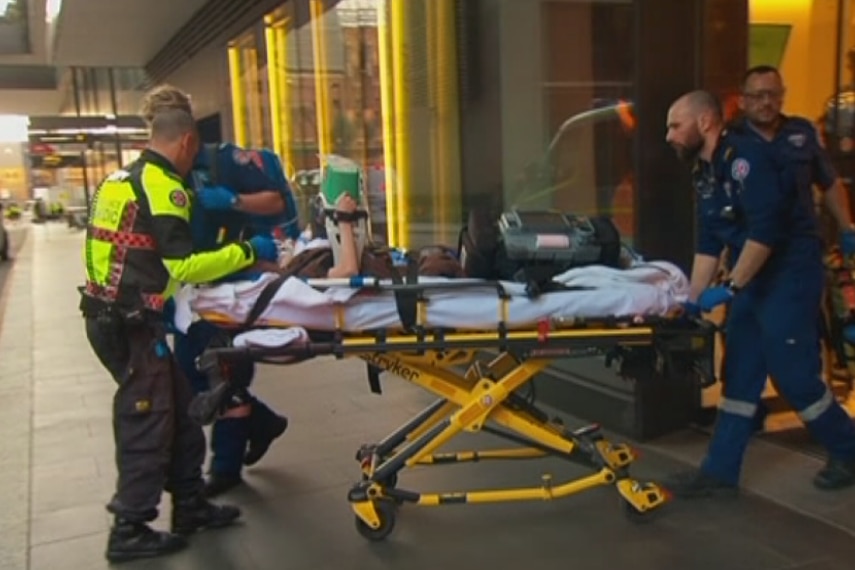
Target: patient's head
[(164, 98)]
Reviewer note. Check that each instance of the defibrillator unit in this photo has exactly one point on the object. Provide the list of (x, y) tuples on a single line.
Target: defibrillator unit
[(534, 246), (563, 240)]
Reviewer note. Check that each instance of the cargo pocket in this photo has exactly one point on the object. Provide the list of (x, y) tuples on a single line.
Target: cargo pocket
[(143, 402)]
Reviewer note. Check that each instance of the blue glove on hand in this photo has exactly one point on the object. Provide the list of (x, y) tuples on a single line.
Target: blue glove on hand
[(265, 248), (217, 198), (847, 242), (691, 310), (713, 297)]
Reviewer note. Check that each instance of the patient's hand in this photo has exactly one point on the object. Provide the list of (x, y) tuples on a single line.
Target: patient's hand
[(345, 204)]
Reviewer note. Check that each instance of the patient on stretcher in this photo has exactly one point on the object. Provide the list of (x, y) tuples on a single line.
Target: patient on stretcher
[(299, 296)]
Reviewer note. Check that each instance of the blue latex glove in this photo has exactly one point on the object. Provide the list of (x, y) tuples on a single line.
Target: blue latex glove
[(847, 242), (265, 248), (691, 310), (713, 297), (217, 198)]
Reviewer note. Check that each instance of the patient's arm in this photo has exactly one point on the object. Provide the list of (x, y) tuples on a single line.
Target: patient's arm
[(348, 264)]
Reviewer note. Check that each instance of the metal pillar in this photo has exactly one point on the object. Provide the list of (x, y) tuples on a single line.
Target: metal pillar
[(115, 106), (75, 87)]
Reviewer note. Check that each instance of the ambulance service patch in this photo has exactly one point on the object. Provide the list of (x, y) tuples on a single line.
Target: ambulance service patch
[(740, 169), (178, 198), (241, 156)]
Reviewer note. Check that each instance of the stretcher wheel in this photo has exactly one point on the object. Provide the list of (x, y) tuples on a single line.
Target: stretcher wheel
[(636, 516), (386, 514)]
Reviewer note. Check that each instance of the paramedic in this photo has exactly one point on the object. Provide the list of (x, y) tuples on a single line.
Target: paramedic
[(766, 216), (794, 141), (236, 199), (138, 246)]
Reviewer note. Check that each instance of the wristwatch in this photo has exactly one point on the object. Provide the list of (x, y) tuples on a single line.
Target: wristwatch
[(732, 287)]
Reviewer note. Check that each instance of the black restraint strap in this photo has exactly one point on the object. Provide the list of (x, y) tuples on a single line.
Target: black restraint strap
[(407, 301), (263, 301)]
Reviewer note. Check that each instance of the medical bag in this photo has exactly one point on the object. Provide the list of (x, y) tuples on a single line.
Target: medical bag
[(533, 247)]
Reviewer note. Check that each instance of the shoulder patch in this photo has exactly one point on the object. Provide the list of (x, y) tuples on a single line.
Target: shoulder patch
[(740, 169), (241, 156), (797, 139), (178, 198)]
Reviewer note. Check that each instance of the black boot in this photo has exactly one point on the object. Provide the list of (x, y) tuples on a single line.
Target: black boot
[(219, 484), (835, 475), (695, 483), (265, 426), (130, 540), (190, 515)]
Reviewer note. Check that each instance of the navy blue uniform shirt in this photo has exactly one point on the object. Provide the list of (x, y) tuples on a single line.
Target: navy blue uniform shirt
[(746, 192), (799, 155), (241, 171)]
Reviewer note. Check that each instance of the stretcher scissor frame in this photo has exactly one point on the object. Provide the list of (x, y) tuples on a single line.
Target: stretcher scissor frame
[(485, 398)]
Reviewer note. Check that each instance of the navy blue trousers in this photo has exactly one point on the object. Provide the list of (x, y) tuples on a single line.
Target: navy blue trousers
[(772, 331)]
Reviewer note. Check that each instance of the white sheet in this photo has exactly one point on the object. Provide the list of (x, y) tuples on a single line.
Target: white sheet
[(649, 288)]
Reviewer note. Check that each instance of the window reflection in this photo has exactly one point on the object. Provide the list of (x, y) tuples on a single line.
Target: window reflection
[(566, 108), (248, 93), (350, 79)]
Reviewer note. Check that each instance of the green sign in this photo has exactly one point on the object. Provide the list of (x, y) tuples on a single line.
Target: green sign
[(767, 43)]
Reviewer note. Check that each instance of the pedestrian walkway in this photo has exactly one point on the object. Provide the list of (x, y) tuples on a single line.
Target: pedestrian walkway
[(57, 464)]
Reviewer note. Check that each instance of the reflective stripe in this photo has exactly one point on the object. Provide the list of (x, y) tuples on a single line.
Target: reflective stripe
[(737, 408), (818, 408), (124, 239), (111, 294)]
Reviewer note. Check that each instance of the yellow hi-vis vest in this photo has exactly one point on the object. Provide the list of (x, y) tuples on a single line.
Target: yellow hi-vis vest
[(138, 245)]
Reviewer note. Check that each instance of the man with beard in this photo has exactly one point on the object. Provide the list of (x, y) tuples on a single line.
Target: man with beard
[(765, 215)]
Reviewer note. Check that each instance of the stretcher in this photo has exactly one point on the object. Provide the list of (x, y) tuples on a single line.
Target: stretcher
[(477, 372)]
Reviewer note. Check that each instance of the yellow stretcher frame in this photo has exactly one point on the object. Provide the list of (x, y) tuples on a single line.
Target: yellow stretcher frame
[(484, 395)]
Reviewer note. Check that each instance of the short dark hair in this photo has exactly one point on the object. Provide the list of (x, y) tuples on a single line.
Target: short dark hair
[(171, 124), (759, 70), (701, 100)]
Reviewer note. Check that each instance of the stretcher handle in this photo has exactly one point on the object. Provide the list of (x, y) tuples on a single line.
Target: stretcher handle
[(297, 350)]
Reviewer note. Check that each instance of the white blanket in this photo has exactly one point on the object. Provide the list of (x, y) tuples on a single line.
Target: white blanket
[(651, 288)]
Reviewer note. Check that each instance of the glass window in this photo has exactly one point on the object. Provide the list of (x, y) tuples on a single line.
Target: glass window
[(291, 98), (419, 79), (800, 38), (567, 122), (248, 92), (350, 110)]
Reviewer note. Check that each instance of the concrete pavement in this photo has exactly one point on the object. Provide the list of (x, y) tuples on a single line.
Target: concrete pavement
[(57, 464)]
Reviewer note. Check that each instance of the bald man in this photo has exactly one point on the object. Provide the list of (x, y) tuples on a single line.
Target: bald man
[(764, 213)]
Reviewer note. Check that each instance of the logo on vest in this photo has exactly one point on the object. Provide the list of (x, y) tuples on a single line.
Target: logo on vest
[(178, 198)]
